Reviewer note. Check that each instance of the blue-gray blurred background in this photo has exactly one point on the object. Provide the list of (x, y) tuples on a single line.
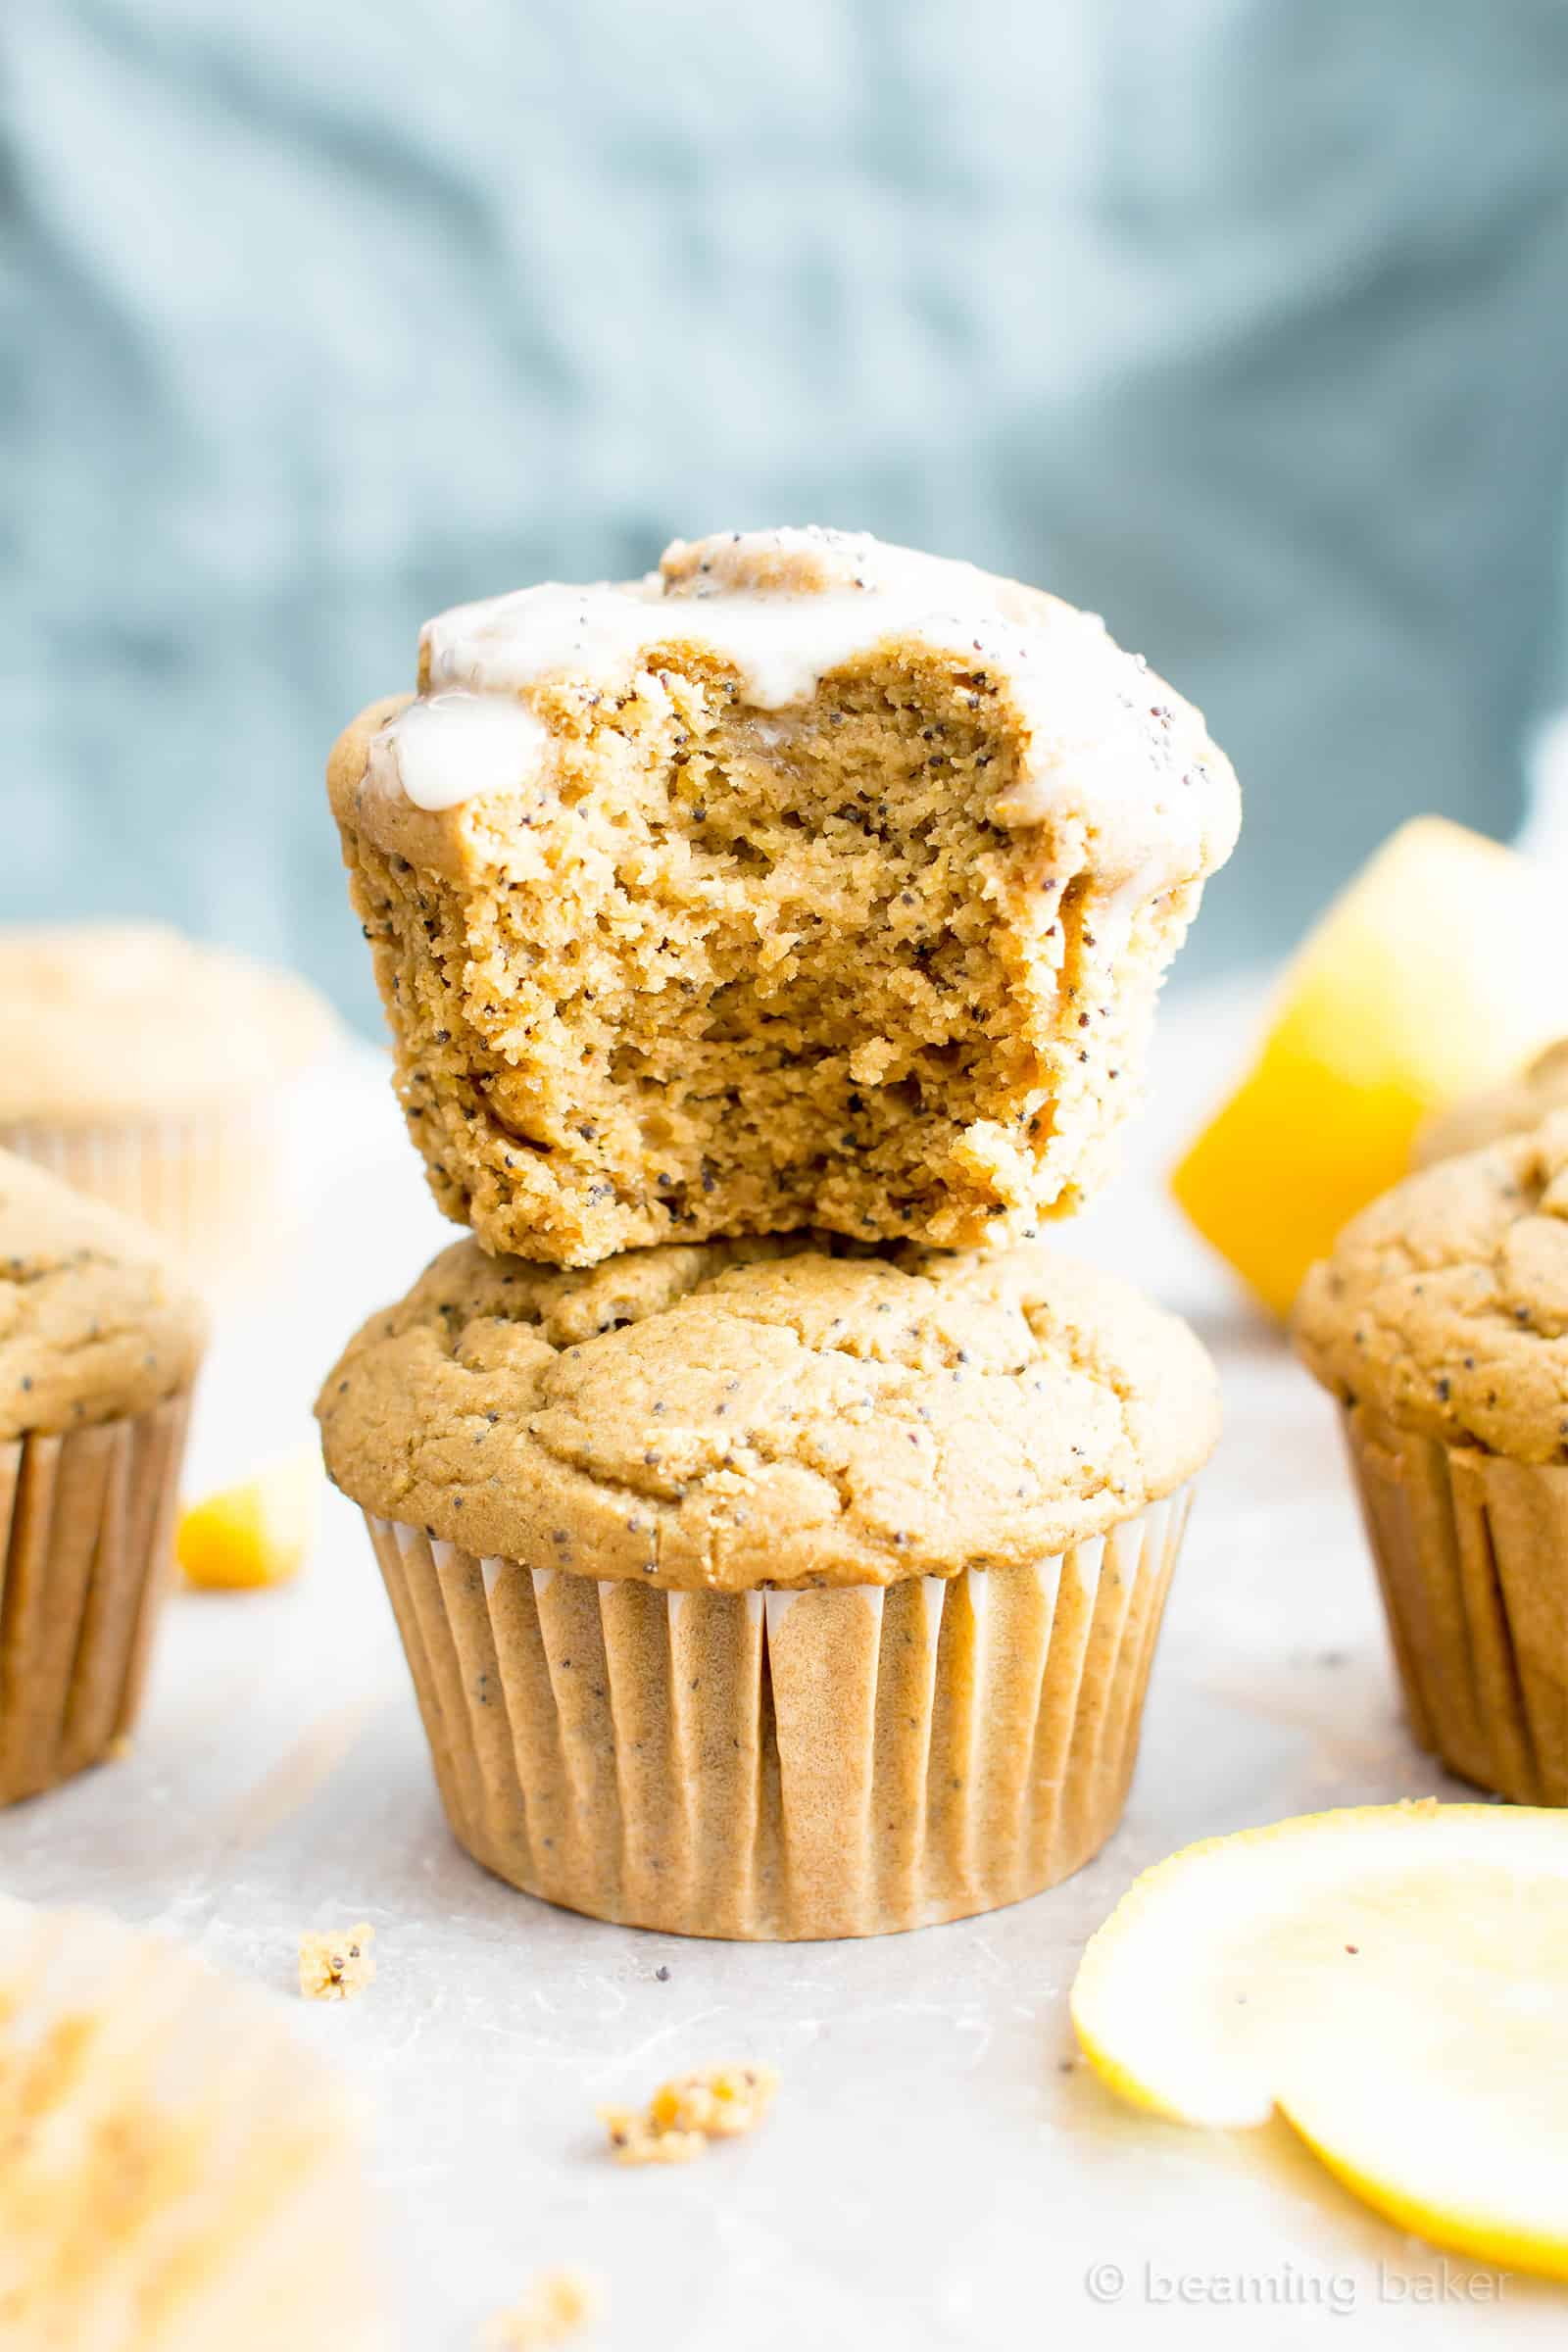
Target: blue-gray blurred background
[(1244, 321)]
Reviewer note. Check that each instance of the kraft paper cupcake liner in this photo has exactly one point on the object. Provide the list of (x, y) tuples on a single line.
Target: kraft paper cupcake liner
[(213, 1183), (784, 1764), (86, 1523), (1472, 1555), (180, 2172)]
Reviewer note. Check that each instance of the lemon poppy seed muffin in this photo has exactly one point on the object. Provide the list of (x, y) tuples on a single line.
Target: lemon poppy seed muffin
[(760, 1589), (1439, 1324), (151, 1069), (99, 1348), (809, 881), (1512, 1108)]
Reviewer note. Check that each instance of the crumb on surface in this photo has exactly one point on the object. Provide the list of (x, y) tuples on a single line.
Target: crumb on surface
[(685, 2114), (337, 1963), (552, 2306)]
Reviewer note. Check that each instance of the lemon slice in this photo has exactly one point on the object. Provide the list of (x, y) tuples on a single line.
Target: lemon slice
[(1440, 969), (1391, 1978), (257, 1533)]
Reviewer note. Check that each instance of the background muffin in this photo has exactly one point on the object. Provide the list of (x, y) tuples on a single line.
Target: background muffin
[(99, 1345), (808, 882), (1440, 1323), (1539, 1089), (152, 1070), (750, 1590)]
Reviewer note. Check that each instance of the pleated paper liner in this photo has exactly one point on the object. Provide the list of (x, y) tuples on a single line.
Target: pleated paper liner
[(1472, 1555), (784, 1765), (178, 2174), (86, 1531), (211, 1182)]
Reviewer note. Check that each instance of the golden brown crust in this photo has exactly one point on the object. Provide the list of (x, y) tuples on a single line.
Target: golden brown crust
[(725, 1417), (1512, 1108), (1445, 1304), (93, 1322)]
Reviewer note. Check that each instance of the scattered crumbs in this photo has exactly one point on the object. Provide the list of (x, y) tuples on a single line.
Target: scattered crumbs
[(554, 2306), (335, 1964), (684, 2115)]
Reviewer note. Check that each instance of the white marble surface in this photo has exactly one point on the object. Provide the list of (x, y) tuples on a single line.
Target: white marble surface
[(936, 2173)]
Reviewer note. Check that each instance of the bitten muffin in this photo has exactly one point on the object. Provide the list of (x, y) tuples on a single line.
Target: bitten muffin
[(99, 1348), (1540, 1088), (152, 1070), (1440, 1322), (753, 1591), (179, 2174), (807, 881)]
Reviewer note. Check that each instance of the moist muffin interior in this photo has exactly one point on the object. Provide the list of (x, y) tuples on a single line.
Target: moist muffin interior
[(805, 881), (767, 961), (750, 970)]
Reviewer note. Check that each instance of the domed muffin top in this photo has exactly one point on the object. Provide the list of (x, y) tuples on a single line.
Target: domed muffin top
[(1107, 742), (728, 1415), (1512, 1108), (93, 1321), (1445, 1304), (133, 1020)]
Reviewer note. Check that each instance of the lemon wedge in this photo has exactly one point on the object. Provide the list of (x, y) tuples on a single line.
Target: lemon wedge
[(1391, 1978), (257, 1533), (1437, 972)]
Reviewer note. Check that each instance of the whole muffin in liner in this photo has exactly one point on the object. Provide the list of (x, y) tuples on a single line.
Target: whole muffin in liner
[(99, 1348), (162, 1076), (179, 2174), (1440, 1322), (751, 1591), (806, 881)]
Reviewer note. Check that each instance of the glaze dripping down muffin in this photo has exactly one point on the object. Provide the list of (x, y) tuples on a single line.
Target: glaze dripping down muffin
[(806, 881)]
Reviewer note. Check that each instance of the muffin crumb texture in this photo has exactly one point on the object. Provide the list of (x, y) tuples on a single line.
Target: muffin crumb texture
[(554, 2307), (337, 1964), (732, 1415), (809, 881), (685, 2114)]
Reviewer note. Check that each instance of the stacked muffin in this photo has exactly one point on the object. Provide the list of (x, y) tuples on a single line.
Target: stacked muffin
[(778, 1531)]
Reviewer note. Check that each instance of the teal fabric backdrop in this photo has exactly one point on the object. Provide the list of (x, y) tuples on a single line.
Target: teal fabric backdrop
[(1245, 322)]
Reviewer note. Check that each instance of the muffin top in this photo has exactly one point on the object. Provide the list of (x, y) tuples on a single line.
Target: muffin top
[(93, 1322), (725, 1415), (506, 685), (1445, 1304), (129, 1020), (1512, 1108)]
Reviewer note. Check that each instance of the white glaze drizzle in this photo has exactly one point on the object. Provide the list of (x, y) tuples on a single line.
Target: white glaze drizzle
[(785, 608), (449, 748)]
